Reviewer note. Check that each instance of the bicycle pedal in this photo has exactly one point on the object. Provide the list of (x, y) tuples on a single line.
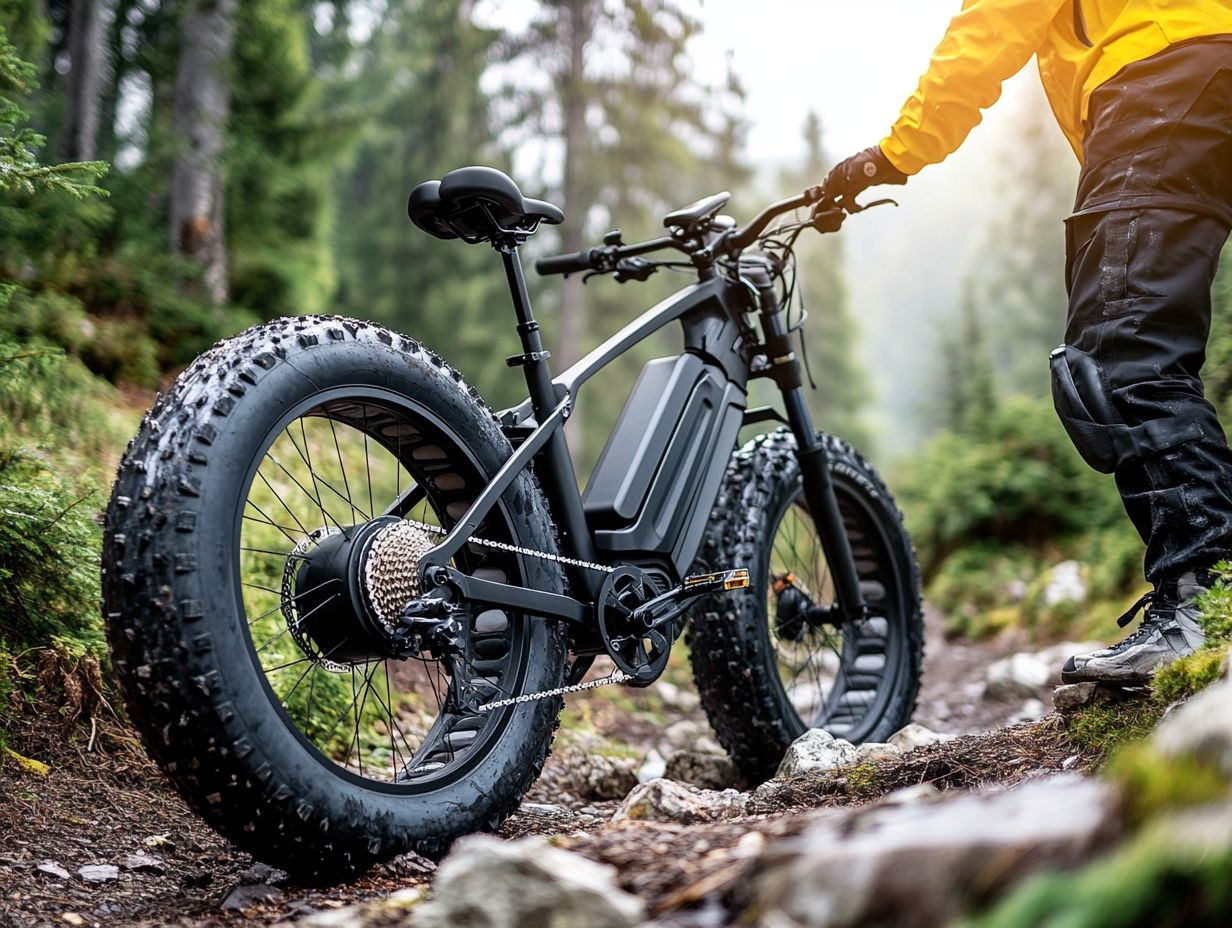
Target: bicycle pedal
[(723, 581)]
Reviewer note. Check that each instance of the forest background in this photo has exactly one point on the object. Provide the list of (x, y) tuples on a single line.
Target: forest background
[(230, 161)]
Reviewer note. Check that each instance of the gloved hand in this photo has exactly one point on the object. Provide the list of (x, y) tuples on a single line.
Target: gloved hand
[(852, 177)]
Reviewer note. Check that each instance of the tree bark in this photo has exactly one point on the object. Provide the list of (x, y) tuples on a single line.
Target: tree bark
[(202, 104), (89, 72), (579, 25)]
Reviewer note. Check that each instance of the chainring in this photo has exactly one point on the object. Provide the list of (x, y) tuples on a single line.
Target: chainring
[(637, 651)]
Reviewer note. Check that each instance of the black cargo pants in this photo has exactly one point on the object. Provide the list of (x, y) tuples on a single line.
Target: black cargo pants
[(1154, 209)]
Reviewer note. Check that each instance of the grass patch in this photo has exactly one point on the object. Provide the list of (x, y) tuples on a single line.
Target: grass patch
[(1182, 678), (862, 781), (1104, 728)]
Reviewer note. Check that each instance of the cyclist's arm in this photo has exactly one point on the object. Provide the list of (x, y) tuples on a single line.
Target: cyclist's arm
[(987, 43)]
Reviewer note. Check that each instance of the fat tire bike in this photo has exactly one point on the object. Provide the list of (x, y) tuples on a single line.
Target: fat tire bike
[(345, 599)]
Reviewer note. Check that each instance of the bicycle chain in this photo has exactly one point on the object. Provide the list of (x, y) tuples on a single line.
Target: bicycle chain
[(514, 549), (616, 676)]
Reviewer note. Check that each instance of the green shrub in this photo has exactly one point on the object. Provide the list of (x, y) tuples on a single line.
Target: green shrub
[(1153, 783), (49, 554), (1017, 481), (993, 507), (49, 400), (982, 587), (1104, 727)]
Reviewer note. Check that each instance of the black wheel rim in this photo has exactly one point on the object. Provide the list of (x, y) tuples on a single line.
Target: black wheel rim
[(332, 463), (839, 679)]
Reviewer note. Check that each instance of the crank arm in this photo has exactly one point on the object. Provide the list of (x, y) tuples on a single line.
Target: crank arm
[(666, 607)]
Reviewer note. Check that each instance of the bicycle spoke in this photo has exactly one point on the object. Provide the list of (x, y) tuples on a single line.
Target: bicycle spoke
[(392, 718), (342, 467)]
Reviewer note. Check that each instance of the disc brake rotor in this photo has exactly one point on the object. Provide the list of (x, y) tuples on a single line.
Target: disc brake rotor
[(290, 602)]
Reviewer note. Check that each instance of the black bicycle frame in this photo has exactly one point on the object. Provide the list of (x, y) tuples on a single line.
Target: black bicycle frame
[(650, 495)]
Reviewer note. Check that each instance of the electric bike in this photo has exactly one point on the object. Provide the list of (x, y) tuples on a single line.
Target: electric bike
[(345, 599)]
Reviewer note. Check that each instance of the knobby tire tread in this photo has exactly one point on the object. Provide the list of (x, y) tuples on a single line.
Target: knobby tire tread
[(161, 640), (739, 696)]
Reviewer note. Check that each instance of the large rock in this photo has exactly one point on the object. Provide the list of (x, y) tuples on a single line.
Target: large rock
[(667, 801), (489, 883), (1201, 727), (653, 766), (914, 735), (919, 865), (814, 752), (873, 752), (1070, 697), (1017, 676), (594, 776), (687, 735), (709, 771), (1031, 710)]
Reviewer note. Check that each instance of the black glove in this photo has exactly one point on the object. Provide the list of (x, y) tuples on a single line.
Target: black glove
[(849, 178)]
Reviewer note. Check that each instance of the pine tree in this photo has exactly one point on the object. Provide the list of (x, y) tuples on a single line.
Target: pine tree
[(89, 75), (968, 395), (423, 113), (284, 138), (636, 135), (20, 170)]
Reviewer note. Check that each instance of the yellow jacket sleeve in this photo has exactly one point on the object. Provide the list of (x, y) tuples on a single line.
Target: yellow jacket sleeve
[(987, 43)]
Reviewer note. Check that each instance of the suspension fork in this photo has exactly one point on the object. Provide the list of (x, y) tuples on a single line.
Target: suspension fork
[(814, 459)]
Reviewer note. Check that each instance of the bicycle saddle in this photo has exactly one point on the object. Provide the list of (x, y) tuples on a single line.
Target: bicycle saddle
[(704, 208), (478, 204)]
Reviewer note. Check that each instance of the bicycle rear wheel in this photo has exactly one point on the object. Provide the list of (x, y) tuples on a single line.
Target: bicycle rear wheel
[(261, 539)]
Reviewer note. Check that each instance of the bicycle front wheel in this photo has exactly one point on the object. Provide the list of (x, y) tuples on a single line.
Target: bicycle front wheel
[(767, 664)]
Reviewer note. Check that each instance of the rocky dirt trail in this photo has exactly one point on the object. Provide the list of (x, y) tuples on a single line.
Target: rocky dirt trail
[(636, 784)]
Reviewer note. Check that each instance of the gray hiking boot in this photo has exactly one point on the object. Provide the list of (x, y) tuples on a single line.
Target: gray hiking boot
[(1170, 628)]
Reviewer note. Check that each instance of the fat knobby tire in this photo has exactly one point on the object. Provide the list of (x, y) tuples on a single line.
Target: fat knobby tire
[(730, 649), (177, 630)]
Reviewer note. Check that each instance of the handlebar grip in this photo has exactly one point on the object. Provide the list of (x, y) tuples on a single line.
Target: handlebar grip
[(566, 264)]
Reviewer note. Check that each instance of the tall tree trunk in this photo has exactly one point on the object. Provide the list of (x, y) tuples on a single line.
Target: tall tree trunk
[(202, 103), (579, 24), (88, 77)]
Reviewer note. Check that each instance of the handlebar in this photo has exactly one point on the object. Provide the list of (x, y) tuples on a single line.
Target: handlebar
[(568, 263), (606, 258), (740, 239), (613, 257)]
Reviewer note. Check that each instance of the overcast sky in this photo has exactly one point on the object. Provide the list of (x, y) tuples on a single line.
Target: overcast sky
[(853, 61)]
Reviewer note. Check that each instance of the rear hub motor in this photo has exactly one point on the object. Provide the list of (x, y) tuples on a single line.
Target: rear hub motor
[(344, 589)]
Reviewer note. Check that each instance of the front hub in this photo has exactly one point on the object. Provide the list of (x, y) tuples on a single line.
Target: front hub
[(350, 588)]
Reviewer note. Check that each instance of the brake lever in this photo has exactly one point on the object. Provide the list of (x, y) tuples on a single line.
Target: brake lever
[(853, 207), (828, 220), (634, 269)]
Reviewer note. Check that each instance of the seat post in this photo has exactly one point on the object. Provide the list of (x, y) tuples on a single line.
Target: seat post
[(558, 478), (534, 357)]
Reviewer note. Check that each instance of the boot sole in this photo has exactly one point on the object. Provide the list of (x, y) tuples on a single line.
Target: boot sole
[(1077, 676)]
